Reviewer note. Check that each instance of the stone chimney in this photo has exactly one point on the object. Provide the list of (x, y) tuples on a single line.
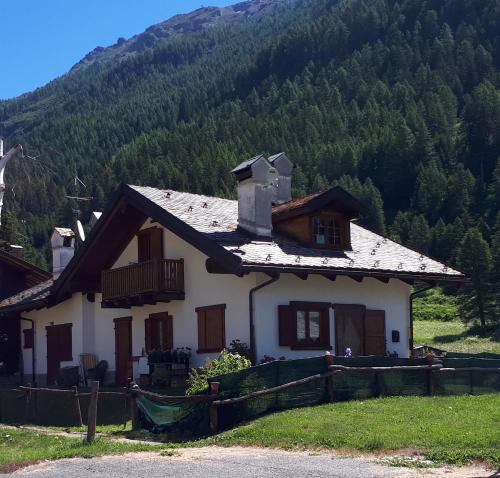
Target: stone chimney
[(63, 249), (257, 182), (283, 193)]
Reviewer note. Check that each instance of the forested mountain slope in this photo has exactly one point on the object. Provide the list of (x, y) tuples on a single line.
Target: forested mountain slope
[(398, 101)]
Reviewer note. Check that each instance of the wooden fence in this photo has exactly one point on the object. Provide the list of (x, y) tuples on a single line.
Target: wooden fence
[(217, 403)]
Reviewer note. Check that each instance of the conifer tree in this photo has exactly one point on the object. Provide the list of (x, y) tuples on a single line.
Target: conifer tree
[(475, 260)]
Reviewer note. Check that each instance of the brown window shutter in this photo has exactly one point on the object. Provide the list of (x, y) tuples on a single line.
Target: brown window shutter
[(215, 329), (324, 331), (287, 326), (375, 332), (147, 334), (168, 332), (211, 328), (202, 344), (65, 342)]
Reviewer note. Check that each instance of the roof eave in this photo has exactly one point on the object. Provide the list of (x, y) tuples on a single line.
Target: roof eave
[(354, 272)]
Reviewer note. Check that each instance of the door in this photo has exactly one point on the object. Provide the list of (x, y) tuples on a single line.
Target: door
[(349, 329), (123, 349), (59, 349), (150, 244)]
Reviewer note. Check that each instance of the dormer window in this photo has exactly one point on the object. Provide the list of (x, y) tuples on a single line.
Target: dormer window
[(326, 231)]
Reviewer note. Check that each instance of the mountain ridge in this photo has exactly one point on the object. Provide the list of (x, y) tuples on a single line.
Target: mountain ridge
[(181, 24)]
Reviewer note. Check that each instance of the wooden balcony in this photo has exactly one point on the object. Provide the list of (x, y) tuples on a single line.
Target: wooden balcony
[(143, 283)]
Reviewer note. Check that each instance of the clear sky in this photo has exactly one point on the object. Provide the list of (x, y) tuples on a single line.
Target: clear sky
[(42, 39)]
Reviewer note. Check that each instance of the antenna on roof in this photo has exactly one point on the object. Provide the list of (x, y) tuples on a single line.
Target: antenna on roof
[(77, 183)]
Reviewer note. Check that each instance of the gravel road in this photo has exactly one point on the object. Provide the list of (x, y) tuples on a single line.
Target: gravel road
[(213, 462)]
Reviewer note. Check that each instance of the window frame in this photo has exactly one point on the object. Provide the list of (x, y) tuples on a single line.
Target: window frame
[(338, 229), (201, 316), (323, 342), (161, 325)]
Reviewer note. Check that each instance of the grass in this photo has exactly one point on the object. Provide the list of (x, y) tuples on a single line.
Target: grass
[(22, 447), (454, 336), (452, 430)]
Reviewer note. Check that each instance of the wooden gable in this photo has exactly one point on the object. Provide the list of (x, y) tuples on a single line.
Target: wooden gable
[(333, 209)]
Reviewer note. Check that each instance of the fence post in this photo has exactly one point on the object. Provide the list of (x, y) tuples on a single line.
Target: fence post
[(77, 407), (92, 417), (471, 382), (329, 380), (134, 412), (430, 381), (27, 405), (214, 409)]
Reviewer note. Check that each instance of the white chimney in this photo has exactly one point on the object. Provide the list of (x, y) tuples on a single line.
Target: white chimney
[(257, 182), (283, 193), (63, 249)]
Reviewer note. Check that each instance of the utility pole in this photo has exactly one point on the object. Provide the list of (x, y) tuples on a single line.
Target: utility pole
[(4, 159)]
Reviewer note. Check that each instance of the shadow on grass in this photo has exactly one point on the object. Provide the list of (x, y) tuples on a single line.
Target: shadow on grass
[(491, 332)]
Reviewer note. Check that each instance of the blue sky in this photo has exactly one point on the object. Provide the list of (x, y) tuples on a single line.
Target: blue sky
[(42, 39)]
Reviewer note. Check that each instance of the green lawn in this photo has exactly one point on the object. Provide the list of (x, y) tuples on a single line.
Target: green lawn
[(454, 336), (18, 447), (446, 429)]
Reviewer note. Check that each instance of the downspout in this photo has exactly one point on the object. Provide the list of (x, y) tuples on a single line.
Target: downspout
[(253, 352), (33, 375), (412, 296)]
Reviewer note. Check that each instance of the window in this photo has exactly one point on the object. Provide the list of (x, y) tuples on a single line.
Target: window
[(159, 332), (211, 328), (304, 325), (326, 231)]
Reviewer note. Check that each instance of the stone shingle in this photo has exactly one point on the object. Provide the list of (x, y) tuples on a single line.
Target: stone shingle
[(217, 218)]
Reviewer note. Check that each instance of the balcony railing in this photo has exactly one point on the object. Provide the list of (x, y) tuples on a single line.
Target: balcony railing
[(150, 278)]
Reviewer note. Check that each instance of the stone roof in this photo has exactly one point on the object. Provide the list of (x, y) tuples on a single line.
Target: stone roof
[(40, 291), (217, 218)]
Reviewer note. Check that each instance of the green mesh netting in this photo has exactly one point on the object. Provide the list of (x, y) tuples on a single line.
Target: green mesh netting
[(346, 386), (173, 416)]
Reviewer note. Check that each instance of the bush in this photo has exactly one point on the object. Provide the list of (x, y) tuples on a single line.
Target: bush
[(434, 305), (241, 348), (226, 363)]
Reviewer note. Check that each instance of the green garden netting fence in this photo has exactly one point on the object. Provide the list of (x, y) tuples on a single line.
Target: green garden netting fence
[(347, 385)]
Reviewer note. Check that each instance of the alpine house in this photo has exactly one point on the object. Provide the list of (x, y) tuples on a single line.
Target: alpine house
[(163, 269)]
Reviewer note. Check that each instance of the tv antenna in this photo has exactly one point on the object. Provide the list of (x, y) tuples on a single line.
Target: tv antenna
[(77, 198)]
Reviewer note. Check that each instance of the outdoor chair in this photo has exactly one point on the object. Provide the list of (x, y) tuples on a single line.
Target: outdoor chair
[(87, 362), (98, 372)]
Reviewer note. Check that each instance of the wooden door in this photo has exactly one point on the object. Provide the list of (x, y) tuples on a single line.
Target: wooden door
[(123, 349), (349, 329), (375, 342), (150, 244), (59, 349)]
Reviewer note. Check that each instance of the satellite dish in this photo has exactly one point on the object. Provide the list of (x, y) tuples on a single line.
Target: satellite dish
[(81, 232)]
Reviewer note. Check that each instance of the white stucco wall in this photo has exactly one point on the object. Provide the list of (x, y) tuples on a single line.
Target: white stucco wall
[(392, 297), (69, 311), (93, 326), (201, 289)]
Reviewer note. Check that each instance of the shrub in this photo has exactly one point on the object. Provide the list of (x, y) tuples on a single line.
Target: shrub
[(241, 348), (435, 305), (226, 363)]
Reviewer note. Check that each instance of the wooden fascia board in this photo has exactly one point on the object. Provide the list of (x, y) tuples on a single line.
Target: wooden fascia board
[(405, 277), (195, 238), (152, 210)]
